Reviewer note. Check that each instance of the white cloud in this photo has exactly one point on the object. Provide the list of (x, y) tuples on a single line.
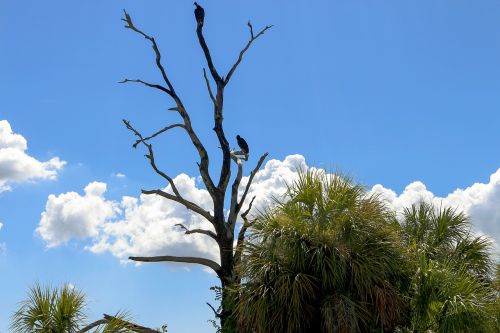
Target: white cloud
[(1, 225), (270, 182), (70, 215), (16, 166), (142, 226), (145, 226), (480, 201)]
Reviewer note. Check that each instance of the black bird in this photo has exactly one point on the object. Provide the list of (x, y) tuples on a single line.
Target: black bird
[(243, 145), (199, 13)]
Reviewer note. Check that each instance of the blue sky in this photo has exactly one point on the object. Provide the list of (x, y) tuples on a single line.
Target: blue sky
[(392, 92)]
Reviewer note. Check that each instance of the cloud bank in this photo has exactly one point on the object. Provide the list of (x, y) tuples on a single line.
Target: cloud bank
[(480, 201), (16, 166), (145, 226)]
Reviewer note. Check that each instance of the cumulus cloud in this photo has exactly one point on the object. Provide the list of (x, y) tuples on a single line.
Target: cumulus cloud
[(480, 201), (145, 226), (134, 226), (270, 182), (16, 166), (70, 215)]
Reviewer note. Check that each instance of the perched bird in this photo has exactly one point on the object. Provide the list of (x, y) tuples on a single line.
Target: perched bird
[(243, 145), (199, 13)]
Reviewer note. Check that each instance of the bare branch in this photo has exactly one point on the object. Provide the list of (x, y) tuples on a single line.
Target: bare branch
[(204, 160), (151, 159), (233, 208), (131, 26), (245, 213), (250, 179), (217, 314), (197, 231), (107, 319), (244, 227), (208, 57), (209, 88), (158, 133), (151, 85), (131, 326), (225, 173), (247, 46), (150, 156), (188, 260), (241, 236), (235, 205), (92, 325), (186, 203)]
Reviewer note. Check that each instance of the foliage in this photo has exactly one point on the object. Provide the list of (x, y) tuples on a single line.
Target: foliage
[(450, 288), (60, 310), (325, 260), (332, 258), (49, 310), (218, 298)]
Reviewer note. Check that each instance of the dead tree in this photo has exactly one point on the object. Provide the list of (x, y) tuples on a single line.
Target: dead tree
[(224, 226)]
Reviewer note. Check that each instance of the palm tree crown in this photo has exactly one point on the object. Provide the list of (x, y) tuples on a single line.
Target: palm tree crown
[(325, 260)]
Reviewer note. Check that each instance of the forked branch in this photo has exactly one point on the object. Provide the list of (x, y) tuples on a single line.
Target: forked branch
[(235, 205), (241, 236), (216, 313), (130, 25), (247, 46), (233, 208), (198, 231), (246, 223), (218, 98), (169, 89), (151, 157), (144, 140)]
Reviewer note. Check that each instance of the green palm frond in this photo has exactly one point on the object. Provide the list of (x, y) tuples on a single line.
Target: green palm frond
[(61, 310), (451, 288), (49, 309), (327, 258)]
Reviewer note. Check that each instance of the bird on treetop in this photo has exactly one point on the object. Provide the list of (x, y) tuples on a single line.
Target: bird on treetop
[(199, 13), (243, 145)]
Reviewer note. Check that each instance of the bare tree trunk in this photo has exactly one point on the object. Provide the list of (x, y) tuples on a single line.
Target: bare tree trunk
[(224, 227)]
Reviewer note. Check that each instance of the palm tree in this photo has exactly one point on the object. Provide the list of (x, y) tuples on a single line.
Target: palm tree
[(451, 286), (61, 310), (327, 259)]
